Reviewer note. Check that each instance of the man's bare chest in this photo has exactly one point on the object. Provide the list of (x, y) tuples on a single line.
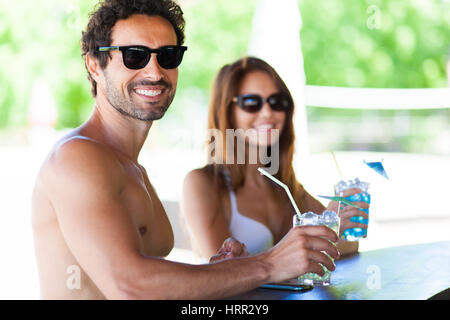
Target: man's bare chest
[(147, 214)]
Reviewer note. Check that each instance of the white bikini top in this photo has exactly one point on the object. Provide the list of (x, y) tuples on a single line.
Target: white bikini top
[(256, 236)]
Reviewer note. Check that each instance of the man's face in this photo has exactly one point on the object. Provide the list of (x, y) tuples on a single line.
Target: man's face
[(144, 94)]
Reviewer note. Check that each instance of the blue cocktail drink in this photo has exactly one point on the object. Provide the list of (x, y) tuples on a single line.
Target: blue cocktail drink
[(355, 234)]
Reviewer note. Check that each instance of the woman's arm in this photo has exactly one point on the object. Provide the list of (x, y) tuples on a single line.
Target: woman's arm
[(201, 209), (347, 247)]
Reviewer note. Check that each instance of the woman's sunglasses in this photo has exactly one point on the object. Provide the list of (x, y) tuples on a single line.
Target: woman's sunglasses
[(253, 102), (137, 57)]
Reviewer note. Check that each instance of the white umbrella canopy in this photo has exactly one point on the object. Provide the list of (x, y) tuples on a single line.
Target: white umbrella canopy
[(275, 38)]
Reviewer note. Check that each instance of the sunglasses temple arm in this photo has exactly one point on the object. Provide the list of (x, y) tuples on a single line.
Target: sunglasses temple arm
[(105, 49)]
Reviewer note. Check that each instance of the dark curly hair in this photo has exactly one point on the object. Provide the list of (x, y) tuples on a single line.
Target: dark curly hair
[(108, 12)]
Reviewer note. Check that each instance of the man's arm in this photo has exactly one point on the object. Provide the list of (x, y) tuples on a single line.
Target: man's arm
[(85, 182)]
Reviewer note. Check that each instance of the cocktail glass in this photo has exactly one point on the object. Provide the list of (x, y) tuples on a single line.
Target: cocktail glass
[(355, 234), (329, 219)]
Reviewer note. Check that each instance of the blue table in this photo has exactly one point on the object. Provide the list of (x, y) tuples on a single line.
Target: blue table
[(415, 272)]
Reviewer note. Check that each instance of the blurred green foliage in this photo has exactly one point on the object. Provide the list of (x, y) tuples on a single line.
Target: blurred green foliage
[(40, 39), (376, 43)]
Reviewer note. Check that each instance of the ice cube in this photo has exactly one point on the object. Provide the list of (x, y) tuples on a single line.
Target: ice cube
[(329, 217), (331, 220), (340, 186), (356, 183), (310, 219)]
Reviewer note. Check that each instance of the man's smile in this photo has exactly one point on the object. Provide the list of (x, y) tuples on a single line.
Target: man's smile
[(149, 94)]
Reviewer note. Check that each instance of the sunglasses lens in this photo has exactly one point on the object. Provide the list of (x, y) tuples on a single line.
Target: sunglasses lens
[(136, 58), (279, 102), (251, 103), (170, 57)]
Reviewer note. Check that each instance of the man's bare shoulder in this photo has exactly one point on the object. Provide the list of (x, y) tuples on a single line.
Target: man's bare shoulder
[(77, 158)]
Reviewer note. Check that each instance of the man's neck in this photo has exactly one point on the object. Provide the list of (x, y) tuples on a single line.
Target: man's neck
[(122, 133)]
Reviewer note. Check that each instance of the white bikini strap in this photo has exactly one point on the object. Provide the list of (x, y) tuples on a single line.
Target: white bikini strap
[(228, 183)]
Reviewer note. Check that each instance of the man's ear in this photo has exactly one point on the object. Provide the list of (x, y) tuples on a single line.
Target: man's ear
[(93, 67)]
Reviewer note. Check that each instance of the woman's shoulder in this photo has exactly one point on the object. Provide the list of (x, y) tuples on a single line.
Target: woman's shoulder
[(202, 192), (204, 174), (203, 178)]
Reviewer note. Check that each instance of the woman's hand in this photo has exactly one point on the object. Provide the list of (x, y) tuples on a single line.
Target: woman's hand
[(231, 248), (347, 212)]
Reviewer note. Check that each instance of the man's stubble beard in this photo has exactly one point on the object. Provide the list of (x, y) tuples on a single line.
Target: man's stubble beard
[(129, 108)]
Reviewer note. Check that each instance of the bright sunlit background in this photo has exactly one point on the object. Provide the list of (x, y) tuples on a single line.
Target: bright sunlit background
[(328, 45)]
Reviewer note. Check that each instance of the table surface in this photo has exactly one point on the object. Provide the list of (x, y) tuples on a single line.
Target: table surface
[(415, 272)]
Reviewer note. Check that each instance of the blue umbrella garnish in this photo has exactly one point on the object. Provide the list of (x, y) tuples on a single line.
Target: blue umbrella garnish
[(378, 167)]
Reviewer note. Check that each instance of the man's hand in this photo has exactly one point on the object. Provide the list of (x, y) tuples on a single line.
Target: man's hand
[(231, 248), (347, 212), (301, 251)]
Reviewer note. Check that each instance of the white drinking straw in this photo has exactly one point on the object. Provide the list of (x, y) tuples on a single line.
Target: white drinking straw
[(285, 187)]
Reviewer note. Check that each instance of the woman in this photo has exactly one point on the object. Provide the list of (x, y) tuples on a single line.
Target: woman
[(229, 197)]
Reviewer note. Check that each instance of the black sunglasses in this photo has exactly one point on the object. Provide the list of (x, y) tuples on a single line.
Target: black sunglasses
[(137, 57), (253, 102)]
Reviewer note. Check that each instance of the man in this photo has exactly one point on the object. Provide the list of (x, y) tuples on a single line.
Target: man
[(100, 229)]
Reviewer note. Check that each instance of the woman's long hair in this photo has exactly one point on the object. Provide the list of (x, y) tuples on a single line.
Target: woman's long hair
[(225, 89)]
